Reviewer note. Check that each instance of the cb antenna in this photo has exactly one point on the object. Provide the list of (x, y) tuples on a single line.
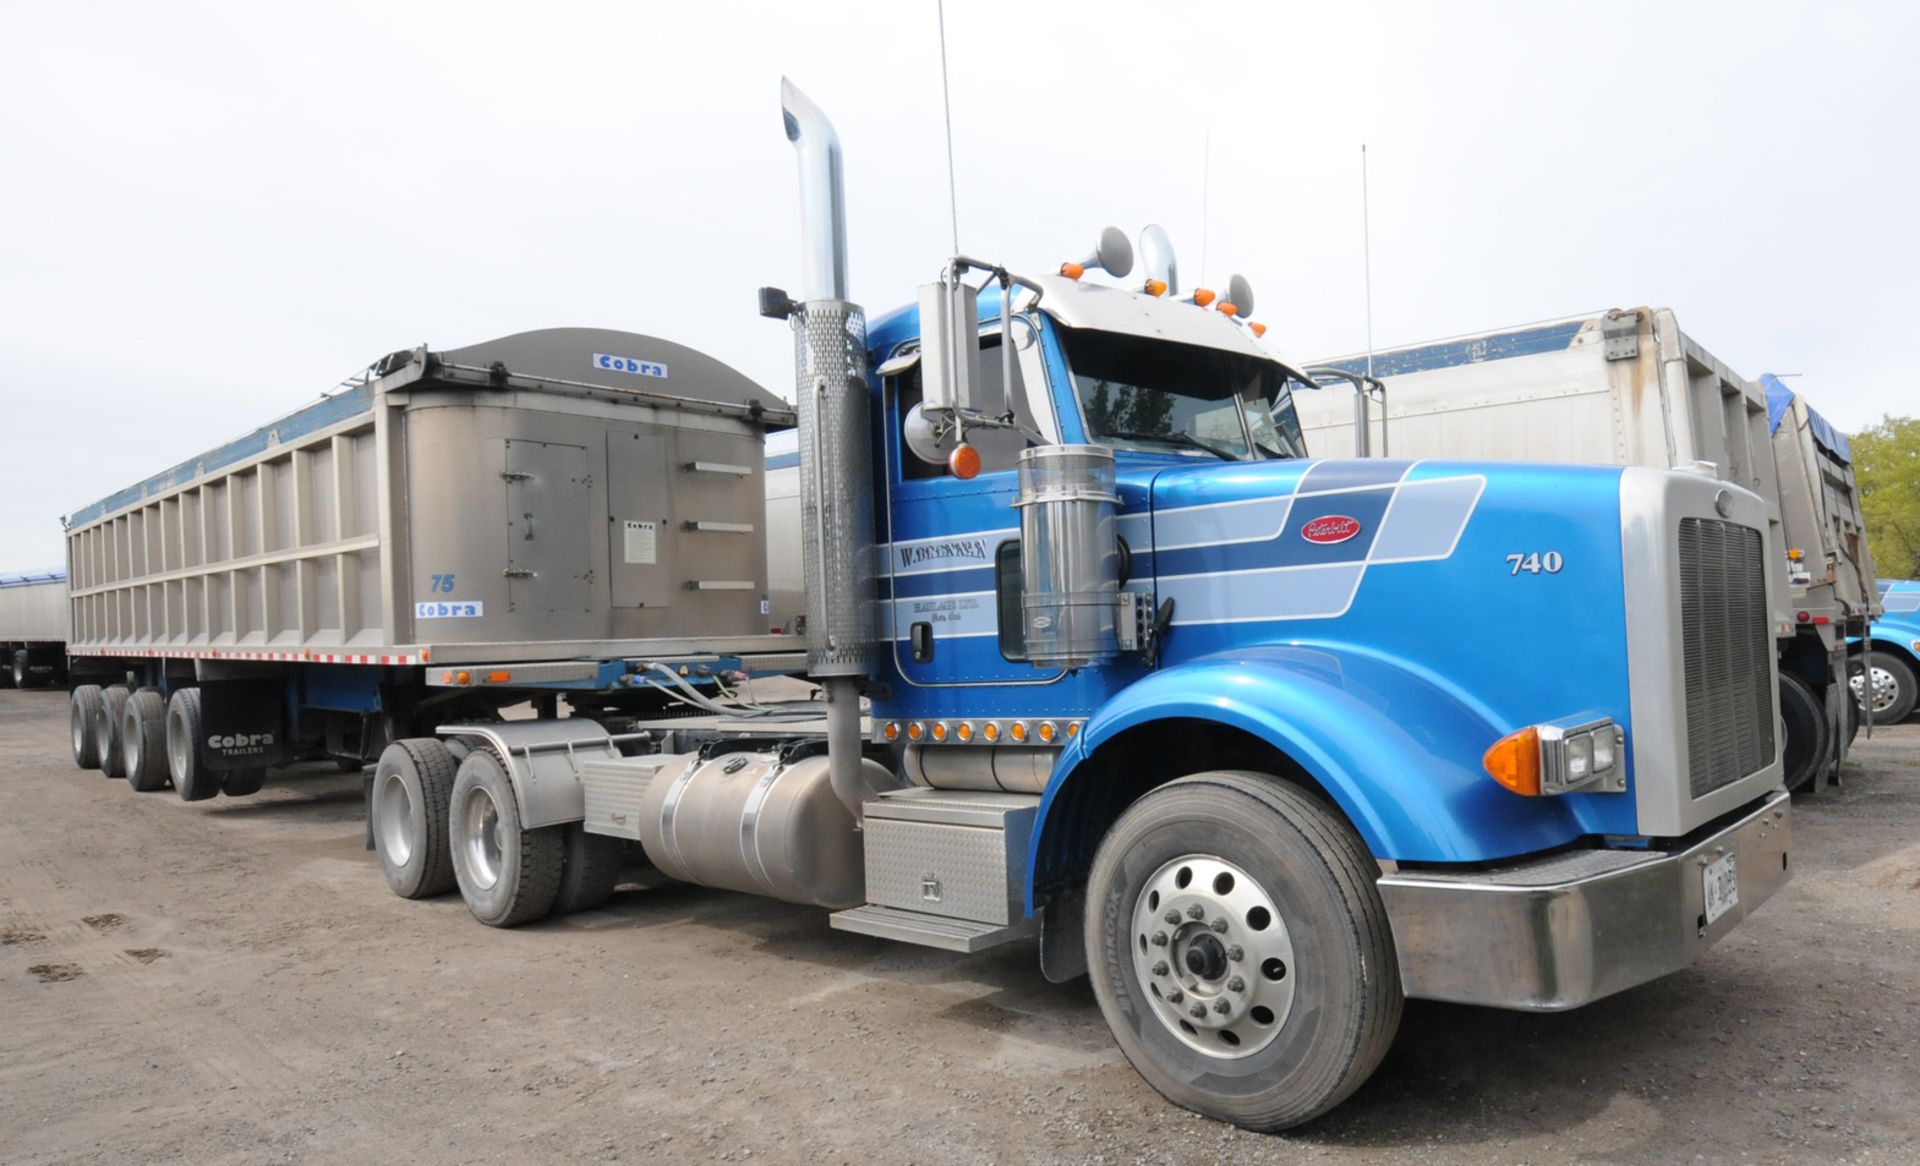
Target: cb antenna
[(946, 106), (1206, 200), (1366, 253)]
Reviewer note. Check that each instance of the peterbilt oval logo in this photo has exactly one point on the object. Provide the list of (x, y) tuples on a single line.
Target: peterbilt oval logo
[(1333, 528)]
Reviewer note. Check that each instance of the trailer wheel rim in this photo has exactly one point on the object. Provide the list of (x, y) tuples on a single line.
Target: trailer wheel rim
[(1885, 691), (1214, 956), (179, 746), (395, 808), (484, 851), (77, 720)]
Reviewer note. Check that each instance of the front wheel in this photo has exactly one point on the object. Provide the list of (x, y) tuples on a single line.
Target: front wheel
[(1240, 950), (508, 875), (1894, 689)]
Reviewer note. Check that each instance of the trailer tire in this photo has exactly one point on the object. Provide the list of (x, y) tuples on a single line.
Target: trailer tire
[(411, 792), (143, 740), (508, 875), (22, 674), (6, 668), (240, 783), (1296, 949), (1809, 738), (192, 780), (84, 721), (1895, 690), (591, 868), (113, 754)]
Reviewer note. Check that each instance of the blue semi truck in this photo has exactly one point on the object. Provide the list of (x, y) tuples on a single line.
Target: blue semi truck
[(1894, 661), (1262, 744)]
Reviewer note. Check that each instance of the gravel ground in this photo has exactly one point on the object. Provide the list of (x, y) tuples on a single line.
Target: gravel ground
[(231, 981)]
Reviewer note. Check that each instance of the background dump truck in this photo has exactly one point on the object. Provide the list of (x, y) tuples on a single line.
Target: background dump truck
[(33, 628), (1894, 661), (1215, 723), (1629, 388)]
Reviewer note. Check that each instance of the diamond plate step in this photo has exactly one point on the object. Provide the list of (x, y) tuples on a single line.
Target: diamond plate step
[(930, 930)]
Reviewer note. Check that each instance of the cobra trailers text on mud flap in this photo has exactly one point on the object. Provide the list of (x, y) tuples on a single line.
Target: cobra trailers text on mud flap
[(1218, 723)]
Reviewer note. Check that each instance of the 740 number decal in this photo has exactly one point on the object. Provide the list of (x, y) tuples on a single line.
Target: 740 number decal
[(1535, 563)]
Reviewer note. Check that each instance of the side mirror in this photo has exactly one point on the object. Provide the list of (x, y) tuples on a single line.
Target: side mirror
[(1156, 253), (1240, 295), (949, 345)]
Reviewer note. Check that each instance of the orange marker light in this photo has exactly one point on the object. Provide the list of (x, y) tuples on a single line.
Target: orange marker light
[(1202, 296), (939, 730), (1073, 730), (915, 731), (990, 730), (1256, 329), (1017, 730), (463, 678), (892, 731), (499, 677), (965, 731), (1514, 761), (1156, 287), (1072, 270), (1048, 731), (1227, 308), (964, 462)]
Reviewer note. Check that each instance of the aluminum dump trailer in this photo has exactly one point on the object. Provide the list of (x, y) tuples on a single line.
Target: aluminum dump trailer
[(1624, 387), (450, 533), (33, 628)]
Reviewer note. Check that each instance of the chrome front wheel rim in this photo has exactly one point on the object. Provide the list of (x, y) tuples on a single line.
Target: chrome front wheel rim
[(1885, 691), (1214, 956)]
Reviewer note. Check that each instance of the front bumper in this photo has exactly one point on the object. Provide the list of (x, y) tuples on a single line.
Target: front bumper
[(1558, 932)]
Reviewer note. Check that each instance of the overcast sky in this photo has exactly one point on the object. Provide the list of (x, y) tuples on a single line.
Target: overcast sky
[(211, 213)]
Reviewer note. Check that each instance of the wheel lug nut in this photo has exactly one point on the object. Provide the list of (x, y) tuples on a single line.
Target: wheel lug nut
[(1176, 996), (1219, 925), (1196, 912), (1173, 916), (1160, 969), (1197, 1011), (1159, 939), (1236, 984), (1235, 953), (1222, 1007)]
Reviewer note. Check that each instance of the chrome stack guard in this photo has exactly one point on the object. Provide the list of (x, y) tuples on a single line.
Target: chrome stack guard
[(1555, 933)]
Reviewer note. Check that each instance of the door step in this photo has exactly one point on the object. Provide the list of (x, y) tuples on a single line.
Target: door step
[(964, 935)]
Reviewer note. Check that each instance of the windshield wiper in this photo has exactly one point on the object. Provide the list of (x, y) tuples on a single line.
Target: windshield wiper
[(1182, 439)]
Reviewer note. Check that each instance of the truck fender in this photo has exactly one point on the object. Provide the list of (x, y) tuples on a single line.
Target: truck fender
[(542, 759), (1394, 749)]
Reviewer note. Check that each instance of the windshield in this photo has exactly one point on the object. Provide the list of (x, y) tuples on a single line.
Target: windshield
[(1137, 392)]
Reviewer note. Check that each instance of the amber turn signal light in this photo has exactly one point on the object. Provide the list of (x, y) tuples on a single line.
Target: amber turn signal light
[(1514, 761), (1072, 270), (964, 462)]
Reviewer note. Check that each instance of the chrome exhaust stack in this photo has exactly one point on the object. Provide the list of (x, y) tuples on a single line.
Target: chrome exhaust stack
[(836, 460)]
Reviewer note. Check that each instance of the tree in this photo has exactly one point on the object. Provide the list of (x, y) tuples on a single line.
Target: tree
[(1886, 463)]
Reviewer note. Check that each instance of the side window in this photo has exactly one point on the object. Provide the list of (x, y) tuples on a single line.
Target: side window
[(999, 448), (1006, 586)]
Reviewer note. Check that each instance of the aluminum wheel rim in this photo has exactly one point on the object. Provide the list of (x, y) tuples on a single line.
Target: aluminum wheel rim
[(482, 843), (394, 804), (177, 743), (77, 720), (1214, 955), (1885, 691)]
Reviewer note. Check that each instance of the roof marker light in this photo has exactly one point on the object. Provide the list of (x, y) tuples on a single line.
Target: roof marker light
[(1072, 270), (1227, 309), (1202, 296), (1156, 287), (1256, 329)]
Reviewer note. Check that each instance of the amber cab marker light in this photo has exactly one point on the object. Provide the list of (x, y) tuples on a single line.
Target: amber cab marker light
[(964, 462), (1202, 296), (915, 731), (1156, 287), (892, 730), (1514, 761), (1227, 308), (1072, 270), (499, 677), (1256, 329), (1017, 730), (990, 730), (463, 678)]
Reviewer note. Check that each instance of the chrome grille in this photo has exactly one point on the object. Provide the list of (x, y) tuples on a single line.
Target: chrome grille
[(1724, 627)]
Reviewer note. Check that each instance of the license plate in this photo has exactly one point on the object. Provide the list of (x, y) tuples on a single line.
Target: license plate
[(1721, 882)]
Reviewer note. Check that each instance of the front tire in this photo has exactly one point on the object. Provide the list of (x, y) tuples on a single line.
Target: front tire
[(412, 790), (589, 871), (84, 721), (1894, 689), (143, 740), (508, 875), (1809, 738), (1241, 896)]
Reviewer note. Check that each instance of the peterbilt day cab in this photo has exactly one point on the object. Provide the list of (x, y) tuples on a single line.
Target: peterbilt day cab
[(1107, 662)]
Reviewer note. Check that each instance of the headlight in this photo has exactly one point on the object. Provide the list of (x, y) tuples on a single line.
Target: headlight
[(1579, 754)]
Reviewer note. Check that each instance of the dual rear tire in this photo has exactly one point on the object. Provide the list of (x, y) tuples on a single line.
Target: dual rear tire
[(143, 740)]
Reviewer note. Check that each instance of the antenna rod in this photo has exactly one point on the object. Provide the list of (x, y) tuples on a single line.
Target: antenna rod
[(1366, 251), (946, 104), (1206, 193)]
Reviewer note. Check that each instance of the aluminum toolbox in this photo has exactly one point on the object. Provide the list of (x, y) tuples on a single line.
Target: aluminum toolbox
[(958, 854)]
